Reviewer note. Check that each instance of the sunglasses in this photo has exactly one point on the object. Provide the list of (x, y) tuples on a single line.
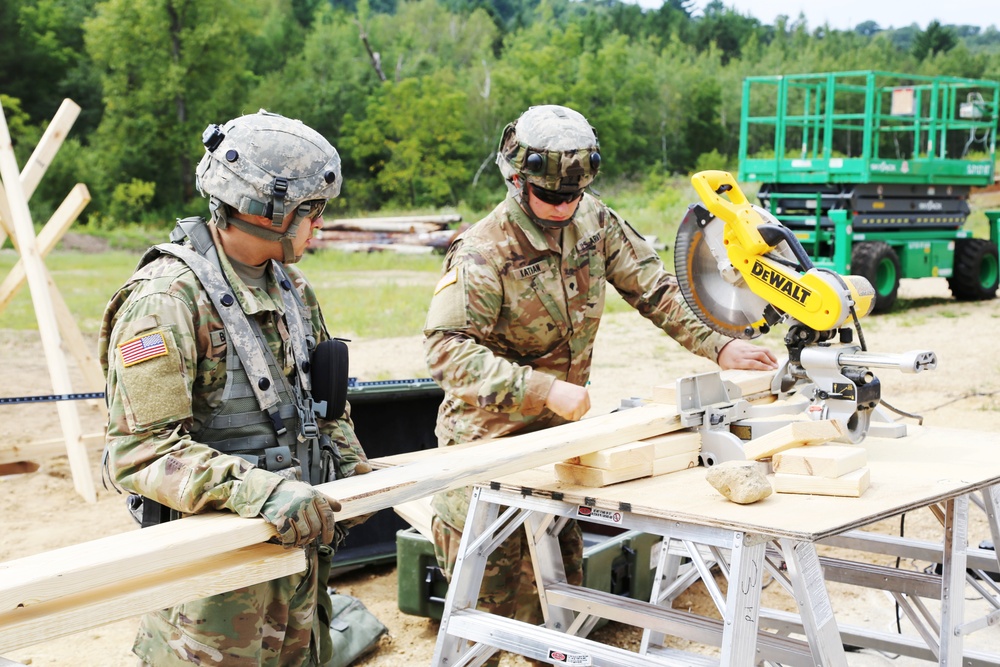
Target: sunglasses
[(312, 208), (553, 198)]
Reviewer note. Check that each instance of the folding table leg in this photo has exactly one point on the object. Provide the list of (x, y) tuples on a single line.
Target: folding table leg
[(815, 609)]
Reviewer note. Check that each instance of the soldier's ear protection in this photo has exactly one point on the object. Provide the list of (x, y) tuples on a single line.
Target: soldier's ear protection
[(533, 162)]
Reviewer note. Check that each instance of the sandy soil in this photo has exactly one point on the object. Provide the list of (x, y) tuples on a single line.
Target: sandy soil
[(40, 511)]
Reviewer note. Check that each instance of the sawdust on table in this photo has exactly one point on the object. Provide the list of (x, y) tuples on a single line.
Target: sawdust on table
[(40, 511)]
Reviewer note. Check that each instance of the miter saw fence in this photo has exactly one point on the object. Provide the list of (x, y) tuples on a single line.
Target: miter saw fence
[(742, 273)]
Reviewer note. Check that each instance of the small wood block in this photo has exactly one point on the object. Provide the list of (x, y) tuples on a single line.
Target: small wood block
[(821, 461), (796, 434), (586, 476), (622, 456), (642, 451), (853, 484), (674, 463), (672, 444)]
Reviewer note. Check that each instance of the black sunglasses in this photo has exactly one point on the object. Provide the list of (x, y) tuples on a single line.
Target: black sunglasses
[(553, 198), (312, 209)]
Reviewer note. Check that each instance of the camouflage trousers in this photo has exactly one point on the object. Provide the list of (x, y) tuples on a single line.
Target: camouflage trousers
[(280, 623), (508, 587)]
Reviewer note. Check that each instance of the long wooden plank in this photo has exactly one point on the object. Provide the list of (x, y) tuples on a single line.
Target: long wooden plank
[(49, 577), (40, 450), (157, 589), (47, 325), (41, 157), (77, 568)]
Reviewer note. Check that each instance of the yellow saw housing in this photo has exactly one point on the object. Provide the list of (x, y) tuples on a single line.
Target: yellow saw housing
[(817, 298)]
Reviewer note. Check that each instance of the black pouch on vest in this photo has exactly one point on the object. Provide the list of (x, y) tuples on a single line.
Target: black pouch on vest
[(329, 378)]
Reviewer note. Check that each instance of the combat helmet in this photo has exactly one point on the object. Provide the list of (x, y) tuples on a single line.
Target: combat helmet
[(553, 148), (266, 164)]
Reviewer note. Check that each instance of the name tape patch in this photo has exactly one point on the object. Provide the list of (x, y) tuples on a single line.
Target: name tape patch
[(143, 348)]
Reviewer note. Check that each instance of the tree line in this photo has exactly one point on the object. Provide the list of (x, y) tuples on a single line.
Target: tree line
[(413, 93)]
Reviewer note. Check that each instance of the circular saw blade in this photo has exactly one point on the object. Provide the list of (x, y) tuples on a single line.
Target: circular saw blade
[(724, 302)]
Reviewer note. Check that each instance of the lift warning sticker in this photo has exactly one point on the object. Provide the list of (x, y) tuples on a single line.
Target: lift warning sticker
[(594, 514), (558, 657)]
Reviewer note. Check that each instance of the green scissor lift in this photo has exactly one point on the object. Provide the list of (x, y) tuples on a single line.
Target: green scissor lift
[(872, 170)]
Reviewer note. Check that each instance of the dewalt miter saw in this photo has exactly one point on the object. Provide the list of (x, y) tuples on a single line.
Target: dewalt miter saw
[(742, 272)]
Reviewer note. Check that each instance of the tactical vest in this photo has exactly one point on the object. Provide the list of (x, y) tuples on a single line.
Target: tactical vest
[(263, 417)]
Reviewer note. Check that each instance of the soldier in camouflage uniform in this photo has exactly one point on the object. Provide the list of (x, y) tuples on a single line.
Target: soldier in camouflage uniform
[(211, 405), (511, 327)]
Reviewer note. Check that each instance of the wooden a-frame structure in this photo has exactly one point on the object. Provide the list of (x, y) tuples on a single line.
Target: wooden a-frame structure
[(59, 332)]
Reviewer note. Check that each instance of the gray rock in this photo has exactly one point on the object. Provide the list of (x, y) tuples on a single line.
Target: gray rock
[(742, 482)]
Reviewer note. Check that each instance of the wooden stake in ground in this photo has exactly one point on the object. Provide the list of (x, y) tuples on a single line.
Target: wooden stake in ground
[(38, 283)]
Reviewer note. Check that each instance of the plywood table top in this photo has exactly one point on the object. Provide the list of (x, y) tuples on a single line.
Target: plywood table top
[(927, 466)]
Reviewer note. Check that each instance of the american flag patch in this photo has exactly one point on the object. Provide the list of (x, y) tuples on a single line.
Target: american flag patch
[(142, 348)]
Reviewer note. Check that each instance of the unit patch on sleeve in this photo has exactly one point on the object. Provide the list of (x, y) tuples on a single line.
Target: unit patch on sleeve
[(143, 348), (450, 278)]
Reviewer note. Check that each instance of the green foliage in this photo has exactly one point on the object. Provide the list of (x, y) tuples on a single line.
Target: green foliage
[(712, 160), (414, 93)]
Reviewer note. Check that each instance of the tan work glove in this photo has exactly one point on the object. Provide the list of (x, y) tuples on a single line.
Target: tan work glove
[(300, 514)]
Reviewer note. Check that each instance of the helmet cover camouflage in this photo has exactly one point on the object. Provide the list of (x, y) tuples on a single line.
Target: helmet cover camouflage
[(265, 164), (552, 147)]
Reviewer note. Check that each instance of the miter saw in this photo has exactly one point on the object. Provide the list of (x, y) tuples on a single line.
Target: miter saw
[(742, 273)]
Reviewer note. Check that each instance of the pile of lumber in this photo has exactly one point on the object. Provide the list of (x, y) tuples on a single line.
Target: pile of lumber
[(803, 462), (650, 457), (408, 234)]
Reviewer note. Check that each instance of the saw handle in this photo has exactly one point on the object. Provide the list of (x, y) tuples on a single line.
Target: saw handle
[(740, 217)]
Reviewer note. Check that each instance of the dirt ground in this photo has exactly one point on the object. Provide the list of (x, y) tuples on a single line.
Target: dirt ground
[(40, 511)]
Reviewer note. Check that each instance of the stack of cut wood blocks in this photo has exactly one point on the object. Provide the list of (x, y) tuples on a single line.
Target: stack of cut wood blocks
[(643, 458), (803, 462)]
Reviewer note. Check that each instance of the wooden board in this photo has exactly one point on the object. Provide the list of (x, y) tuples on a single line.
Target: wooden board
[(642, 451), (582, 475), (78, 568), (853, 484), (751, 383), (155, 590), (821, 461), (796, 434), (669, 464)]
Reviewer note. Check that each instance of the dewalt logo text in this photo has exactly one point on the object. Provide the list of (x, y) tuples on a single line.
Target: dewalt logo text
[(779, 282)]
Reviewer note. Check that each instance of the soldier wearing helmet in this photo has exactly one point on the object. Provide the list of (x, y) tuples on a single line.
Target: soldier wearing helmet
[(511, 326), (214, 394)]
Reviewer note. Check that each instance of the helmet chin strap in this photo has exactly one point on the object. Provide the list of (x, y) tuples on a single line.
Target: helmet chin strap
[(521, 196), (222, 220)]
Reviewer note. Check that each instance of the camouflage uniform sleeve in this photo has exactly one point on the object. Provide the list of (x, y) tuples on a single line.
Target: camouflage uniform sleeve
[(638, 274), (150, 411), (463, 313)]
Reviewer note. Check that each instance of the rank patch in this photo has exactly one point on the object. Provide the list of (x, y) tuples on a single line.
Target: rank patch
[(142, 348)]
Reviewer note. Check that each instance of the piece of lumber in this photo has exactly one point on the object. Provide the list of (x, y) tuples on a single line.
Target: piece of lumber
[(407, 224), (48, 326), (157, 589), (669, 464), (41, 450), (78, 568), (821, 460), (795, 434), (418, 513), (751, 383), (581, 475), (41, 158), (852, 485), (642, 451)]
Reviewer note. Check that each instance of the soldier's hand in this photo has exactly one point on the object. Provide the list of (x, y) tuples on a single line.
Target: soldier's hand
[(739, 354), (300, 514), (568, 400)]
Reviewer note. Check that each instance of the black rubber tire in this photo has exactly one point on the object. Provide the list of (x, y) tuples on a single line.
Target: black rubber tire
[(974, 273), (879, 263)]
